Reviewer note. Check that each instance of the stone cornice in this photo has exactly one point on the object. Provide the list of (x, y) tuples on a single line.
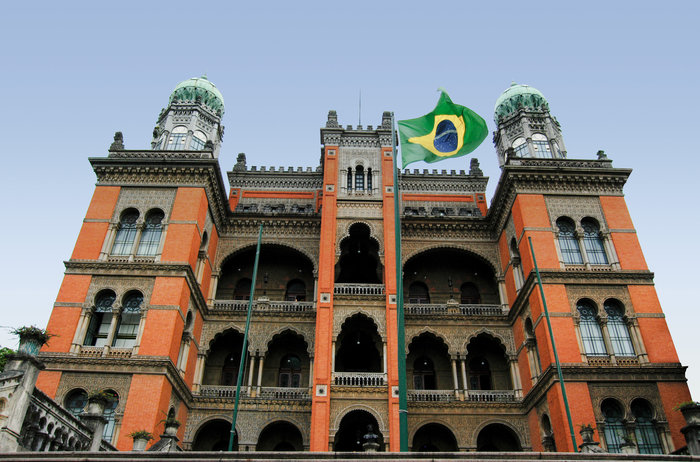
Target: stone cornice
[(553, 176), (276, 179), (161, 365), (442, 182), (248, 224), (166, 168)]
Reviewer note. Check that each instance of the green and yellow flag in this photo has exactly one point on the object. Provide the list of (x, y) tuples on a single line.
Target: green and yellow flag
[(450, 130)]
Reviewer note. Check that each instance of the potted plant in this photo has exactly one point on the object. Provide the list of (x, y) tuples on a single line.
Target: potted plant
[(171, 425), (586, 431), (141, 439), (690, 411), (31, 339), (97, 401)]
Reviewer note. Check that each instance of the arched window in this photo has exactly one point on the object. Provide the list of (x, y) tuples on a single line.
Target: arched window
[(177, 138), (469, 294), (424, 374), (418, 293), (479, 374), (591, 335), (101, 319), (229, 373), (124, 240), (541, 145), (150, 238), (129, 320), (570, 251), (547, 434), (593, 243), (296, 291), (110, 414), (533, 351), (617, 328), (520, 147), (198, 141), (290, 372), (614, 427), (369, 179), (349, 178), (518, 277), (242, 289), (75, 401), (646, 435), (359, 178)]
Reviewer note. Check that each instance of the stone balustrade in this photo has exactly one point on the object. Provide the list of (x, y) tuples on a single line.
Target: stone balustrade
[(263, 305), (453, 309), (284, 393), (437, 396), (220, 391), (229, 392), (491, 396), (359, 379), (358, 289)]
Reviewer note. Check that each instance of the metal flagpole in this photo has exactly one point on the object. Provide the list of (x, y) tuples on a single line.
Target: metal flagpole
[(244, 350), (554, 347), (401, 347)]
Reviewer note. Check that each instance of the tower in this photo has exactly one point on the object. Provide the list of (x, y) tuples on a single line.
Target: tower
[(153, 304)]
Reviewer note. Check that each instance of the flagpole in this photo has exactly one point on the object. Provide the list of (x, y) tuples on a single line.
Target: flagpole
[(554, 347), (401, 333), (244, 350)]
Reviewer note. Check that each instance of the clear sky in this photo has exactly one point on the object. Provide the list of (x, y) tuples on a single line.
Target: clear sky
[(619, 76)]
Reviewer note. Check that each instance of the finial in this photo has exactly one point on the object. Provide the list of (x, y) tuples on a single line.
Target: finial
[(204, 76), (601, 155), (118, 144), (512, 83)]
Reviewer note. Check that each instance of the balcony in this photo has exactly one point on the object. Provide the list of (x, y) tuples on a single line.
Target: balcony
[(452, 309), (359, 379), (491, 396), (270, 393), (359, 289), (241, 306), (431, 396)]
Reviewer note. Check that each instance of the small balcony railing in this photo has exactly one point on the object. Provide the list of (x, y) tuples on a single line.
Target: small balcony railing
[(453, 309), (491, 396), (220, 391), (229, 392), (358, 289), (261, 305), (431, 396), (284, 393), (359, 379)]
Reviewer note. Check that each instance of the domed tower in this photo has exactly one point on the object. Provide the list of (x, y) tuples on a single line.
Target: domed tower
[(524, 124), (192, 120)]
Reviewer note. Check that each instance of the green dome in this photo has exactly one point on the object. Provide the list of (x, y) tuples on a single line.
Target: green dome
[(191, 89), (517, 96)]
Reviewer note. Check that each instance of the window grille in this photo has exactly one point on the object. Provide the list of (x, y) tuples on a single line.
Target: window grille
[(570, 251), (617, 328), (591, 334), (595, 250)]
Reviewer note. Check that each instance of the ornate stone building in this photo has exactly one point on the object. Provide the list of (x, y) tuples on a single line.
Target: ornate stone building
[(154, 298)]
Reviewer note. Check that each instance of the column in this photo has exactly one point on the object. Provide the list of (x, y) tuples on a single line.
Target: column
[(333, 356), (610, 250), (515, 377), (463, 367), (384, 356), (212, 289), (137, 240), (142, 326), (502, 294), (311, 372), (637, 341), (198, 373), (454, 377), (79, 331), (606, 339), (109, 239), (582, 248), (251, 369), (261, 361), (116, 309)]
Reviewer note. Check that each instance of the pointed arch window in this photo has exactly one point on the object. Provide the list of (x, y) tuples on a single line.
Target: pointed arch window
[(480, 374), (290, 372), (418, 293), (360, 178), (177, 138), (568, 244), (150, 238), (296, 291), (129, 320), (229, 372), (591, 334), (614, 427), (101, 319), (593, 243), (617, 328), (126, 234), (647, 437), (424, 374), (469, 294)]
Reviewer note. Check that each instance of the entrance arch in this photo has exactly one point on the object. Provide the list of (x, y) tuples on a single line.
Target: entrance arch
[(352, 429), (214, 436), (434, 437), (280, 436), (497, 437)]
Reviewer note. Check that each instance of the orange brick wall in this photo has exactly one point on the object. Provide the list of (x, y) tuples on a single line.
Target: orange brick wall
[(672, 394), (92, 234), (146, 405), (48, 382)]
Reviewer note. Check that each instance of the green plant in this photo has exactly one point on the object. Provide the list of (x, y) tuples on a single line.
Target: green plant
[(685, 404), (141, 435), (4, 353), (103, 396), (587, 427), (171, 422), (37, 333)]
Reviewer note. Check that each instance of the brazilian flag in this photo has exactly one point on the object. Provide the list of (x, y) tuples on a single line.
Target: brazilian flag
[(450, 130)]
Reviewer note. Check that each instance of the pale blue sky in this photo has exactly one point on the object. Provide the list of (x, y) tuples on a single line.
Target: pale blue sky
[(619, 76)]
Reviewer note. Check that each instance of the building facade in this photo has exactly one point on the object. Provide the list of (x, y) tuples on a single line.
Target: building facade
[(152, 307)]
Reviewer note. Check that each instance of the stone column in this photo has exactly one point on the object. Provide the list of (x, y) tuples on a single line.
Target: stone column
[(18, 404), (582, 248), (95, 421), (454, 377), (212, 289), (139, 334), (116, 309), (606, 339), (637, 341), (384, 355), (311, 372), (75, 345), (261, 362), (463, 367), (137, 240), (251, 370), (198, 373), (333, 356), (502, 293), (610, 251), (109, 239), (515, 377)]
